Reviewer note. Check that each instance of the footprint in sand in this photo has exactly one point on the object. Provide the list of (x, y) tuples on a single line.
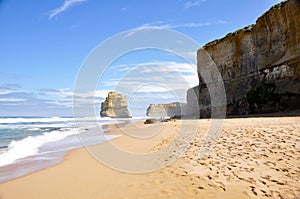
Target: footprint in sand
[(253, 190)]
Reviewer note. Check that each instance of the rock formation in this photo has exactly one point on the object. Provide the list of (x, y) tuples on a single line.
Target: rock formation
[(166, 110), (259, 64), (192, 108), (115, 106)]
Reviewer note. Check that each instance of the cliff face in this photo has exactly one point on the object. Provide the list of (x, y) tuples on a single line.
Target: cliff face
[(260, 64), (166, 110), (192, 98), (115, 106)]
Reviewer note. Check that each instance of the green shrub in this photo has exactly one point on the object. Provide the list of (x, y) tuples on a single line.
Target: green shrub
[(261, 94)]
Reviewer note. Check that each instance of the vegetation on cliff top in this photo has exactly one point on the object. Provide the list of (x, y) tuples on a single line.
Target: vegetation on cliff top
[(247, 28)]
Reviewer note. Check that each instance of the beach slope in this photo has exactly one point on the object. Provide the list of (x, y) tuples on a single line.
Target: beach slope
[(253, 158)]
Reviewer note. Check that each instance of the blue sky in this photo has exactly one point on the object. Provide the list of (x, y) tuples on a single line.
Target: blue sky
[(44, 43)]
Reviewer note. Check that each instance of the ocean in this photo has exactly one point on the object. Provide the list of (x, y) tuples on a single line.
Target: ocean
[(29, 144)]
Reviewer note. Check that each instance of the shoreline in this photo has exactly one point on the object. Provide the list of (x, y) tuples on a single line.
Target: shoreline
[(50, 155), (227, 172)]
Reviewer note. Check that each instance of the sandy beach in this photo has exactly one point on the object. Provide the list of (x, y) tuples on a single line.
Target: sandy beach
[(253, 158)]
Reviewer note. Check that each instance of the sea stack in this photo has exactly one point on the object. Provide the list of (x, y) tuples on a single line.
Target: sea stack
[(115, 106), (166, 110)]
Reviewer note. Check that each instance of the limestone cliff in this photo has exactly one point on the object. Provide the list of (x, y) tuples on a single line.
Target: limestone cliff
[(166, 110), (192, 109), (115, 106), (260, 64)]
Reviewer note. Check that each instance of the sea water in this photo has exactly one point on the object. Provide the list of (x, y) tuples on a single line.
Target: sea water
[(28, 144)]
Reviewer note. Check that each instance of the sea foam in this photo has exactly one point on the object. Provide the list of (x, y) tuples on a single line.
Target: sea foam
[(30, 145), (12, 120)]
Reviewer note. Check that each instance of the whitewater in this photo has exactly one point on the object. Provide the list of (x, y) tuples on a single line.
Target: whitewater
[(28, 144)]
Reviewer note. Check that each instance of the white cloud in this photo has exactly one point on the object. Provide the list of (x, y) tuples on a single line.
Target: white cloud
[(61, 103), (152, 89), (124, 8), (171, 64), (155, 77), (99, 93), (5, 92), (168, 67), (67, 93), (65, 6), (8, 88), (65, 97), (12, 100), (190, 4), (163, 25)]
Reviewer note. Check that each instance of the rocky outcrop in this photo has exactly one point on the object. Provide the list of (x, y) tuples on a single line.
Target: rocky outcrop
[(166, 110), (192, 109), (115, 106), (259, 64)]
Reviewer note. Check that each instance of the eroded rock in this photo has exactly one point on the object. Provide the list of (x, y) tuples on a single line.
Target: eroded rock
[(166, 110), (115, 106)]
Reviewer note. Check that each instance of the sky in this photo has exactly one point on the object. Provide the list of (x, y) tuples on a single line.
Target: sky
[(43, 44)]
